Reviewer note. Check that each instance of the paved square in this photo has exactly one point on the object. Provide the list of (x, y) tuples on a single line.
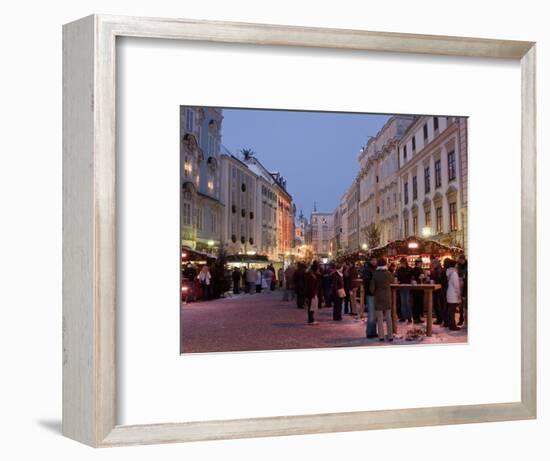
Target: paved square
[(263, 321)]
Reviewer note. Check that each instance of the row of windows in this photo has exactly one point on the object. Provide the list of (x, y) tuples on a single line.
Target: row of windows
[(187, 218), (424, 137), (268, 193), (453, 220), (451, 173)]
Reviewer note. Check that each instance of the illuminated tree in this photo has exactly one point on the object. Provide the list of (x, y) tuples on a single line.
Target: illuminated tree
[(372, 234)]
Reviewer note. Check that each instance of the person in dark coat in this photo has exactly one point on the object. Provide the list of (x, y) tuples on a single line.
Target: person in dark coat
[(338, 293), (404, 277), (312, 291), (368, 273), (381, 289), (417, 295), (326, 282), (300, 285), (347, 288), (236, 277)]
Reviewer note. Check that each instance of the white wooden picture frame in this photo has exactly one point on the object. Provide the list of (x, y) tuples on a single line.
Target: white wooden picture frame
[(89, 232)]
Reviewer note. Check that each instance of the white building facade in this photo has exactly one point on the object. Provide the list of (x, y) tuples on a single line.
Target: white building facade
[(379, 182), (258, 216), (412, 181), (322, 230), (433, 180)]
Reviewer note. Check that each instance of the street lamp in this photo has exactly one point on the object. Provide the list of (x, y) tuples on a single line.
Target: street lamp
[(426, 232), (364, 246), (210, 243)]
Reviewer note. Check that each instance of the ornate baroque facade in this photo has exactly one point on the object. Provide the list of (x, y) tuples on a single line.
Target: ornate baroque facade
[(412, 181)]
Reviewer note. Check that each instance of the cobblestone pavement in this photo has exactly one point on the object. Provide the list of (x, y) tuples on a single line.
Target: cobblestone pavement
[(265, 322)]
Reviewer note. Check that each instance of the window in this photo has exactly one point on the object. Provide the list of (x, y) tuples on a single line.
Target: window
[(436, 123), (451, 162), (187, 167), (406, 192), (186, 214), (213, 221), (189, 120), (439, 219), (406, 226), (452, 217), (211, 144), (404, 152), (377, 179), (415, 225), (437, 167), (425, 131), (428, 218), (415, 188), (426, 180), (199, 218), (414, 143)]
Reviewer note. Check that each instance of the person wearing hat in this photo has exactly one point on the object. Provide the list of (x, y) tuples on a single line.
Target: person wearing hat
[(404, 277), (417, 295)]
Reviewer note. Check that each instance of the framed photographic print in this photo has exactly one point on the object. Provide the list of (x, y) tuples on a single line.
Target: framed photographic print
[(259, 219)]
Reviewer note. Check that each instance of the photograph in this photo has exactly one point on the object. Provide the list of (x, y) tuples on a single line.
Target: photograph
[(306, 230)]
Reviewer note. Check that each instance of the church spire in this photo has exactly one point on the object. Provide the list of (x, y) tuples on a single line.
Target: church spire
[(314, 207)]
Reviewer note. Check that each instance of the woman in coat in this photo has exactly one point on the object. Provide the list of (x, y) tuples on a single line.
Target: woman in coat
[(454, 294), (381, 289)]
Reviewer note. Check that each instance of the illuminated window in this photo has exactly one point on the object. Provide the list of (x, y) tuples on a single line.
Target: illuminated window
[(439, 219), (452, 217), (428, 218)]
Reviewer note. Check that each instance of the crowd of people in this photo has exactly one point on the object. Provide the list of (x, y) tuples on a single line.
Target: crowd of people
[(337, 286), (253, 280), (207, 282)]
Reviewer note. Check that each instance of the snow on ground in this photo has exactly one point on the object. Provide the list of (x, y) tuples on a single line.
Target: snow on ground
[(265, 322)]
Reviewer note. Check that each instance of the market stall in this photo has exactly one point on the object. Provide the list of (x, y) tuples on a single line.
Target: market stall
[(254, 261), (191, 263), (413, 248)]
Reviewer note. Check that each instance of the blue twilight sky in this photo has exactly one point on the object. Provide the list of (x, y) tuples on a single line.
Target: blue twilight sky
[(316, 152)]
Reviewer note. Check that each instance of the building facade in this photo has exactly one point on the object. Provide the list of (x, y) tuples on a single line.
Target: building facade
[(258, 217), (322, 230), (432, 157), (412, 181), (239, 222), (209, 207), (378, 179)]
